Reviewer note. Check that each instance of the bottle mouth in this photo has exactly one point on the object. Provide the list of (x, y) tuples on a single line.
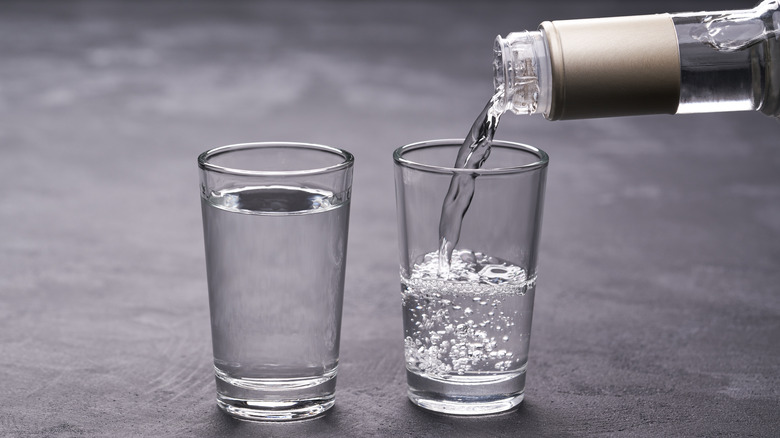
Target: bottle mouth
[(500, 73), (519, 70)]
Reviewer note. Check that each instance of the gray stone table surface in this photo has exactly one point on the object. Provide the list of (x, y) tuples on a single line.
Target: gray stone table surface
[(658, 301)]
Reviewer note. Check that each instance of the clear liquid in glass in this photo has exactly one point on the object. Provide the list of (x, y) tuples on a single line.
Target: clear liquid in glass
[(467, 336), (275, 261)]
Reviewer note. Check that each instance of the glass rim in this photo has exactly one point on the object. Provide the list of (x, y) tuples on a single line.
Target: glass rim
[(541, 163), (203, 159)]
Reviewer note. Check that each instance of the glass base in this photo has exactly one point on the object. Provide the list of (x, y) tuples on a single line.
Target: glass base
[(467, 395), (275, 399), (464, 405), (257, 410)]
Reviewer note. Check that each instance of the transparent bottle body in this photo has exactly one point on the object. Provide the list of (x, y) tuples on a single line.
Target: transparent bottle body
[(729, 61)]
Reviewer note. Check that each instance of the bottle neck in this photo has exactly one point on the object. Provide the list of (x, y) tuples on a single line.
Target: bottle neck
[(603, 67)]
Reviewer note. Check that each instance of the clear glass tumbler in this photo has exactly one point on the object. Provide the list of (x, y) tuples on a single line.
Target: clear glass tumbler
[(467, 322), (275, 222)]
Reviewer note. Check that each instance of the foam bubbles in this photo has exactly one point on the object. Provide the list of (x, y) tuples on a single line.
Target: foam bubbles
[(454, 323)]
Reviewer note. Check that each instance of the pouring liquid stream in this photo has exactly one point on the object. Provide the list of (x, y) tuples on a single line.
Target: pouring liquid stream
[(471, 155)]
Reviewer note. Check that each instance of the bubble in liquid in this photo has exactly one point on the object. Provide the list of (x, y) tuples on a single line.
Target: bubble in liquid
[(450, 336)]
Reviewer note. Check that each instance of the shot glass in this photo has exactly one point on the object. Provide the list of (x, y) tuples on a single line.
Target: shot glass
[(467, 317), (275, 222)]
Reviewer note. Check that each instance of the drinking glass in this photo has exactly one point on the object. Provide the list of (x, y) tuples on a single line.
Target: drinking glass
[(275, 222), (467, 319)]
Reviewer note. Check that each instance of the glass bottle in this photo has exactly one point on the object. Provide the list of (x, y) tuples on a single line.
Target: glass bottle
[(648, 64)]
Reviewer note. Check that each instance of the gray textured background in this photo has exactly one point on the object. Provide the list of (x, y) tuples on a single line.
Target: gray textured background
[(658, 305)]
